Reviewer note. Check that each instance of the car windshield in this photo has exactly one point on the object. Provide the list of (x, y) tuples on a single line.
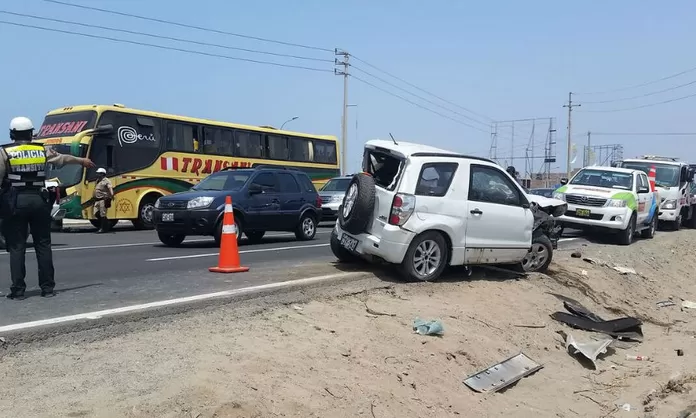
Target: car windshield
[(336, 185), (69, 174), (603, 178), (666, 175), (227, 180), (542, 192)]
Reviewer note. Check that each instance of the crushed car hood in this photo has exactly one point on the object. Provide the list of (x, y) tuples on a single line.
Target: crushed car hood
[(545, 202)]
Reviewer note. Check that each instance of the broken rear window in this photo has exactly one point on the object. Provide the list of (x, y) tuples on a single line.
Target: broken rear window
[(384, 167)]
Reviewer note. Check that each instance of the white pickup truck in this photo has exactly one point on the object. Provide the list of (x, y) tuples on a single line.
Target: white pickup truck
[(611, 199)]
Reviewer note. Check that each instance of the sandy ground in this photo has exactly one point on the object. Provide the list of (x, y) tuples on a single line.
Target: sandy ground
[(354, 354)]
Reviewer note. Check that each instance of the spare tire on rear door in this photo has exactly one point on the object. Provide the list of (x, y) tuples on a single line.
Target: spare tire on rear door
[(355, 214)]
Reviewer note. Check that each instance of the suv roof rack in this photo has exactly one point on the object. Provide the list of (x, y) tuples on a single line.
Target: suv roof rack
[(448, 155), (659, 158), (274, 167), (262, 167)]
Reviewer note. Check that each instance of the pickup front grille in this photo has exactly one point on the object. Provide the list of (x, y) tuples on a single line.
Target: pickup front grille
[(173, 204), (575, 199)]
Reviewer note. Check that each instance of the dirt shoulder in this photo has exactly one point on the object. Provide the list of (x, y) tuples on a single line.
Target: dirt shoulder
[(348, 353)]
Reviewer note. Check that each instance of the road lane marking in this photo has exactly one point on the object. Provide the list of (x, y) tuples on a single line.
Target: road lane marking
[(141, 244), (177, 301), (260, 250)]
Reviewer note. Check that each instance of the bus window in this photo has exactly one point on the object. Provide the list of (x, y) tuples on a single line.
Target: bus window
[(277, 147), (248, 144), (324, 152), (134, 145), (181, 137), (298, 148), (217, 141)]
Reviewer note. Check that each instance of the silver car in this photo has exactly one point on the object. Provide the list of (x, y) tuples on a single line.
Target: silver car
[(332, 196)]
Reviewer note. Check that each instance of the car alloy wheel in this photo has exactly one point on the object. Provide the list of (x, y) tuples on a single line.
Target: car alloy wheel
[(308, 227), (427, 258), (535, 258), (349, 200)]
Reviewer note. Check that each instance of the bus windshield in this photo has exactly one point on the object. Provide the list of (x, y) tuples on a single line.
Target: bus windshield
[(68, 175), (336, 185), (666, 175), (66, 124), (603, 178)]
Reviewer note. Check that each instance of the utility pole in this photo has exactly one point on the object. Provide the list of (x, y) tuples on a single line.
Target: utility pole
[(589, 150), (512, 145), (344, 118), (570, 107)]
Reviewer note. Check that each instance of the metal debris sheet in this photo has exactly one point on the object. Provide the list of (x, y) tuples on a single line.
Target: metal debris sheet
[(503, 374)]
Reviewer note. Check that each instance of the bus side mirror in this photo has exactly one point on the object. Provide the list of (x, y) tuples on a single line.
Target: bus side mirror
[(103, 130), (564, 181)]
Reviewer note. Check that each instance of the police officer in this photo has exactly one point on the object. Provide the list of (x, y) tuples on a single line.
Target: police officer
[(26, 203)]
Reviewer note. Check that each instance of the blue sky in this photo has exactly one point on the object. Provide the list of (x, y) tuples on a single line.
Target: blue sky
[(503, 59)]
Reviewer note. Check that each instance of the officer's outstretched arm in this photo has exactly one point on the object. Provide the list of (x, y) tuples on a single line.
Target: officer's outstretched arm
[(60, 160)]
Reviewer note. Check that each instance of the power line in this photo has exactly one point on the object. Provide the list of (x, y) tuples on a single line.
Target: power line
[(189, 51), (420, 97), (170, 38), (184, 25), (643, 84), (643, 95), (418, 105), (639, 107), (644, 133), (420, 89)]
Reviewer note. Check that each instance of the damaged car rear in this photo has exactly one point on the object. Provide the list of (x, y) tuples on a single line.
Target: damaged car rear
[(425, 208)]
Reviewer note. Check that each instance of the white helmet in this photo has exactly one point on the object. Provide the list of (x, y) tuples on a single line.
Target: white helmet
[(101, 171), (21, 124)]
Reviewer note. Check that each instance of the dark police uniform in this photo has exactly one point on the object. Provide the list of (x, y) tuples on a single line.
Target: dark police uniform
[(30, 207)]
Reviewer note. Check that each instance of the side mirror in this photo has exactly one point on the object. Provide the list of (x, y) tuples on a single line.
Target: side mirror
[(255, 189), (643, 190), (564, 181), (103, 130)]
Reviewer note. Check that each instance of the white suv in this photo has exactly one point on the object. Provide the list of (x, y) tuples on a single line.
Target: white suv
[(426, 208)]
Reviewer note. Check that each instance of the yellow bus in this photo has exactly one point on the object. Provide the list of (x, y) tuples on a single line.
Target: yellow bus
[(150, 154)]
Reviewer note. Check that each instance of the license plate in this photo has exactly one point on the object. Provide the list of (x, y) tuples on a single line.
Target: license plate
[(584, 213), (167, 217), (348, 242)]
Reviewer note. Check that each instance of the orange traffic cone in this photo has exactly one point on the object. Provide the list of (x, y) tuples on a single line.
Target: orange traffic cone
[(651, 178), (229, 253)]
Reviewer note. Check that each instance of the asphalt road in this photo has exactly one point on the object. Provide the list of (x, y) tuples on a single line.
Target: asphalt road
[(127, 267)]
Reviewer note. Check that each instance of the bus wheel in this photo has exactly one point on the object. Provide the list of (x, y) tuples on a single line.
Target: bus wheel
[(146, 213)]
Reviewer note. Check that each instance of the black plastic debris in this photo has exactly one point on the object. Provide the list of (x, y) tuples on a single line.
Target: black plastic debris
[(627, 328)]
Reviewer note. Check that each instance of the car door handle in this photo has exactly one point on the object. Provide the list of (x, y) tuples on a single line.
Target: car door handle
[(476, 211)]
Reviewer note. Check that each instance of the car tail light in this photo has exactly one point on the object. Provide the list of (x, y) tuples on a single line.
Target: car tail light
[(319, 202), (402, 208)]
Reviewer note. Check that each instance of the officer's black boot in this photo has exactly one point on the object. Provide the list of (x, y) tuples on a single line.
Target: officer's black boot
[(104, 225)]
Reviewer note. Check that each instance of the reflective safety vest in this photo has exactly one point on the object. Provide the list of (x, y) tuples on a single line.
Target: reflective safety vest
[(27, 165)]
